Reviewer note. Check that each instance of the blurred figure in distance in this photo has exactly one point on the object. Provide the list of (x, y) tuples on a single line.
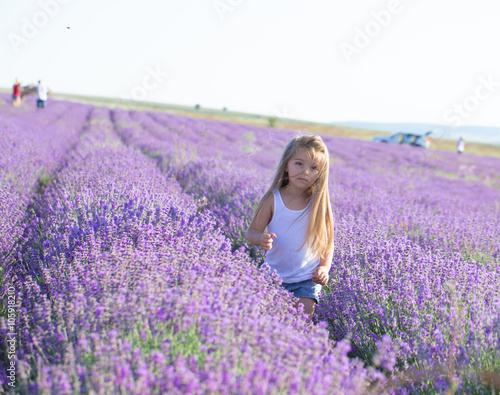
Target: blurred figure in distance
[(460, 145), (41, 92), (16, 93)]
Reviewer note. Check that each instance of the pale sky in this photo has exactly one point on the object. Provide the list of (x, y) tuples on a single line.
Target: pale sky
[(430, 61)]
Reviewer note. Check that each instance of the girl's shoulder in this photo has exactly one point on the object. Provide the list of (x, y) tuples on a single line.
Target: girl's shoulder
[(268, 203), (264, 212), (267, 207)]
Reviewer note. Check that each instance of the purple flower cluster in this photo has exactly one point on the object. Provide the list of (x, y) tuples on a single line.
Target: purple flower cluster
[(416, 258), (125, 283)]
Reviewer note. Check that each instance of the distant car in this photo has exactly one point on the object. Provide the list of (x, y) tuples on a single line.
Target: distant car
[(415, 139)]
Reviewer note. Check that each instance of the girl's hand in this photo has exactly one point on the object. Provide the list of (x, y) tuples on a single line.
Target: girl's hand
[(320, 275), (266, 240)]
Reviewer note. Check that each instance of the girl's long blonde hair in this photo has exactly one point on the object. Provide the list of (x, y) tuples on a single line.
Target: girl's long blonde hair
[(320, 226)]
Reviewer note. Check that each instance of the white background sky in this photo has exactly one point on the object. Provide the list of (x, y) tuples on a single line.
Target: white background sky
[(267, 56)]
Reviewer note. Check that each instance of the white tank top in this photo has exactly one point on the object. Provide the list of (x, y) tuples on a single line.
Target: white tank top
[(290, 228)]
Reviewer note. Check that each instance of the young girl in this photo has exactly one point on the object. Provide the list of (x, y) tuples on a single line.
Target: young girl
[(293, 221)]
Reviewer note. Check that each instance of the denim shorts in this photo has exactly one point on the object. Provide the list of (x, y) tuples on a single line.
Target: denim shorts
[(304, 289)]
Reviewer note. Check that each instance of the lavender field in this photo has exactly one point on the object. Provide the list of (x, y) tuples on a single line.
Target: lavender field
[(125, 269)]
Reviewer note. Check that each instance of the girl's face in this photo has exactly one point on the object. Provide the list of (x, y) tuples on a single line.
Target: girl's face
[(302, 170)]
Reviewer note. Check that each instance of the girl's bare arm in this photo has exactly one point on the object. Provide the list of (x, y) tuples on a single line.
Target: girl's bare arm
[(321, 273), (326, 261), (255, 233)]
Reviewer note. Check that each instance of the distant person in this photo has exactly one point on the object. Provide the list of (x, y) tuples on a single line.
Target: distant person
[(17, 89), (41, 92), (460, 145), (293, 222)]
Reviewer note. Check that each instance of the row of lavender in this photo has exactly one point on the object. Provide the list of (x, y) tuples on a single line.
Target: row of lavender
[(123, 284), (33, 146), (417, 235)]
